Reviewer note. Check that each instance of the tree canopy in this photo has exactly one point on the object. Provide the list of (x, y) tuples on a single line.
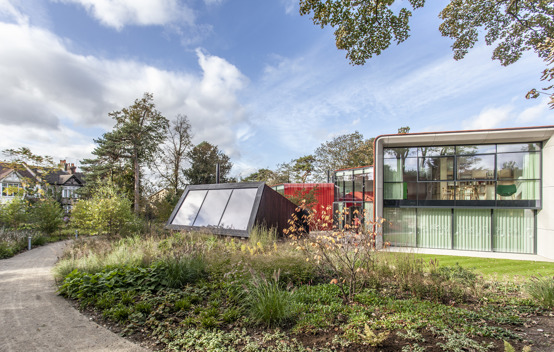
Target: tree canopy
[(365, 28), (344, 151), (139, 131), (203, 159)]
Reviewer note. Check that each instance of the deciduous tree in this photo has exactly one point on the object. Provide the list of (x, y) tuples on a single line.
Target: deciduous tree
[(171, 157), (203, 159), (367, 27)]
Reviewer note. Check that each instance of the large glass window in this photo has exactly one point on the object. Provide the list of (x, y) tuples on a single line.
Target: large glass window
[(434, 228), (475, 167), (189, 209), (238, 211), (504, 175), (514, 230), (399, 228), (472, 229), (436, 168), (212, 209)]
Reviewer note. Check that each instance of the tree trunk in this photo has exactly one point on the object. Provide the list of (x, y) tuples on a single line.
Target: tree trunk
[(137, 184)]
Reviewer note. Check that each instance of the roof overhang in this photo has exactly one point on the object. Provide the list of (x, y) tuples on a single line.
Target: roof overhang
[(505, 135)]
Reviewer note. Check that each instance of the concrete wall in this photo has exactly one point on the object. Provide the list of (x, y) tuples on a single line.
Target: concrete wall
[(545, 217)]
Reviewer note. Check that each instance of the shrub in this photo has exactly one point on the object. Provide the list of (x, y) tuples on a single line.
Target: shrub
[(15, 213), (267, 302), (108, 211), (542, 290), (47, 216)]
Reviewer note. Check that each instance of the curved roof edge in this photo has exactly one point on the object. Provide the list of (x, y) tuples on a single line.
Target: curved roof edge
[(500, 135)]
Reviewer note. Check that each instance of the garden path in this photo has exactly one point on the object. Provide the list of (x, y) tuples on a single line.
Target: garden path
[(34, 318)]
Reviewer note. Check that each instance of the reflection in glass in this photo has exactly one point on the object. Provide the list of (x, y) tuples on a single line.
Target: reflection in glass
[(436, 168), (399, 153), (436, 151), (476, 167), (436, 191), (187, 213), (475, 149), (518, 165), (410, 169), (238, 211), (212, 209), (522, 147), (392, 169)]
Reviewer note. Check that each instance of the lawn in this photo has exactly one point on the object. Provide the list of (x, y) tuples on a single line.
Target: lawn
[(500, 268)]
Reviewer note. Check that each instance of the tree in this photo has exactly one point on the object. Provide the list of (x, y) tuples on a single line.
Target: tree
[(47, 215), (139, 131), (203, 158), (171, 156), (31, 168), (345, 151), (303, 167), (262, 175), (367, 27)]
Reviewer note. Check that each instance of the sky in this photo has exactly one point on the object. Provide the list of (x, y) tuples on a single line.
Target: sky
[(254, 77)]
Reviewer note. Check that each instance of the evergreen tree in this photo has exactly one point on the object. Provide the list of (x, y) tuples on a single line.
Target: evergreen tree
[(203, 158)]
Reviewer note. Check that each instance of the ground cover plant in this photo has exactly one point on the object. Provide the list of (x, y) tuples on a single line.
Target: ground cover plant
[(198, 292)]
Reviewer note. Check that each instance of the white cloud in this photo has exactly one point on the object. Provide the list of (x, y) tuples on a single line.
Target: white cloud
[(290, 6), (490, 118), (10, 12), (120, 13), (509, 116), (46, 88)]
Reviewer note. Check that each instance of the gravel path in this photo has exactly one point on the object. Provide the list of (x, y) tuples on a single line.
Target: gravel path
[(34, 318)]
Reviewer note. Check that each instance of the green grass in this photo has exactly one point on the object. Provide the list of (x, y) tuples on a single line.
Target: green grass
[(501, 268)]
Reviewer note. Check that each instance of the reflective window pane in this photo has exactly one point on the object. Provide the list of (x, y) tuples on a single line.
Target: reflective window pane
[(436, 151), (475, 190), (518, 165), (476, 167), (400, 152), (239, 209), (436, 191), (475, 149), (189, 209), (392, 170), (212, 208), (410, 169), (436, 168), (522, 147)]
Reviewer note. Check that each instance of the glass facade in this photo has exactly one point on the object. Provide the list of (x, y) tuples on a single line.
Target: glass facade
[(471, 197), (353, 203), (503, 175)]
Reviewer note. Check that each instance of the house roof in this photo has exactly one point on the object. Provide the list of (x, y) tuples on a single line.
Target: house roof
[(52, 175)]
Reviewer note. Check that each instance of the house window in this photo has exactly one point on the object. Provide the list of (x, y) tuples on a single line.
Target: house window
[(10, 189)]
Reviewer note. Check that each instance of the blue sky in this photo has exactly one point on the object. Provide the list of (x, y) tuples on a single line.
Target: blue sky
[(254, 77)]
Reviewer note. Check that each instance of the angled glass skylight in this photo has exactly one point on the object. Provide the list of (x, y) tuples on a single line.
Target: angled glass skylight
[(231, 208)]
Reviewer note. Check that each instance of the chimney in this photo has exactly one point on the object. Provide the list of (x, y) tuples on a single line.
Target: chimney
[(63, 165), (73, 168)]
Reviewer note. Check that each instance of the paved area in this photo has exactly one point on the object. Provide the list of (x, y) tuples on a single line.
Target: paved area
[(34, 318)]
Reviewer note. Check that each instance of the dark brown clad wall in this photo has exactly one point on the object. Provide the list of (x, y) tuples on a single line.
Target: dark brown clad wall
[(275, 210)]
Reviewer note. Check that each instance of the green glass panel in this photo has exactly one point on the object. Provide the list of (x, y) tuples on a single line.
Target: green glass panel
[(472, 229), (434, 228), (514, 230), (399, 226), (393, 191)]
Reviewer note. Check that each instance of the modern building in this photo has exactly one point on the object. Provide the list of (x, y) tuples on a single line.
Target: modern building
[(484, 190), (231, 209), (320, 197), (353, 195)]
